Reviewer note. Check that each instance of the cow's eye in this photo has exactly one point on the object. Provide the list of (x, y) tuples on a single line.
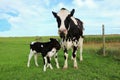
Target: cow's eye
[(67, 22)]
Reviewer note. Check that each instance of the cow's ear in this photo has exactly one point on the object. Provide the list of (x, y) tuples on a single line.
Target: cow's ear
[(55, 14), (72, 12)]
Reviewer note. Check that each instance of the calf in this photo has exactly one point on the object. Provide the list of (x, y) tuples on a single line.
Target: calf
[(47, 50)]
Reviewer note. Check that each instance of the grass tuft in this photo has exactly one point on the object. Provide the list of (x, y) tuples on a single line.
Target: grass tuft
[(115, 53)]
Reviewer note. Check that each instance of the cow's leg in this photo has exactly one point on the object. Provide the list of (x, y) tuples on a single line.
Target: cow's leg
[(66, 59), (56, 60), (49, 63), (35, 58), (45, 63), (81, 48), (74, 56), (29, 57)]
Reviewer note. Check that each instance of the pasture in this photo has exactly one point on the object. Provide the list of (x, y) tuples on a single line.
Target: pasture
[(14, 55)]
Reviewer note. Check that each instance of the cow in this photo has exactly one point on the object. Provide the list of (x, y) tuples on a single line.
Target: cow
[(47, 50), (70, 30)]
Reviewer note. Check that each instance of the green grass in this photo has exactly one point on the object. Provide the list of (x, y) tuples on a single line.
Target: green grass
[(14, 54)]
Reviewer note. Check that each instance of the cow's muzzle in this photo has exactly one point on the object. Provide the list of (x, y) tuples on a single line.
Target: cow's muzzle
[(62, 33)]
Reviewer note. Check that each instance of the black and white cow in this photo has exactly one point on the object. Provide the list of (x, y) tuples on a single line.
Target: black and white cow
[(70, 30), (47, 50)]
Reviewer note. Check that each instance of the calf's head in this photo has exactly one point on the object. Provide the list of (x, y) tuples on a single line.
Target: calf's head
[(63, 18), (55, 43)]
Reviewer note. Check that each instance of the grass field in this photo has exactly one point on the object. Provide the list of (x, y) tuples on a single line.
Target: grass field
[(14, 54)]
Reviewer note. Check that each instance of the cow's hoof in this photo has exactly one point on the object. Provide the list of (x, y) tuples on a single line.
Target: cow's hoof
[(37, 65), (58, 67), (28, 66), (71, 57), (81, 59), (75, 67), (65, 67)]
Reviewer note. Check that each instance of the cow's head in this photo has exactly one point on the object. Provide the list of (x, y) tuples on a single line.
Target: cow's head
[(63, 18)]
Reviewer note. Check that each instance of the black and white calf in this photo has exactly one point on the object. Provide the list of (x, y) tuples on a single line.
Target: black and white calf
[(47, 50), (70, 30)]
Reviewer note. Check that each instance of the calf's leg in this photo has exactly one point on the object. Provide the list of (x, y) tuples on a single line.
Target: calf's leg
[(56, 61), (35, 58), (49, 63), (45, 63), (29, 58)]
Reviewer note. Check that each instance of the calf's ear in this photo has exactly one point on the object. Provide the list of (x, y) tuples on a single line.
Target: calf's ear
[(72, 12), (54, 14), (51, 39)]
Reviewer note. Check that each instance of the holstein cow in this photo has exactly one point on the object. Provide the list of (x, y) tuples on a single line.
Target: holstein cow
[(47, 50), (70, 30)]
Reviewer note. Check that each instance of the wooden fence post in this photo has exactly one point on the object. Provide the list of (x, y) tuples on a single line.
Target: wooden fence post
[(103, 36)]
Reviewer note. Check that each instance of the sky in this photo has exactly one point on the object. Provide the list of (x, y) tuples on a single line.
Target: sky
[(35, 18)]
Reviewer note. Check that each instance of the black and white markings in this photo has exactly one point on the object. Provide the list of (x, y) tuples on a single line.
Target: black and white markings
[(70, 30), (47, 50)]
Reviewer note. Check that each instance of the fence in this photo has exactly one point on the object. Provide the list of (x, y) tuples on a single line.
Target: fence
[(110, 43)]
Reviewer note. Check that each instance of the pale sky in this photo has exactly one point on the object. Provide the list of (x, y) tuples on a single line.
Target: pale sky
[(34, 17)]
